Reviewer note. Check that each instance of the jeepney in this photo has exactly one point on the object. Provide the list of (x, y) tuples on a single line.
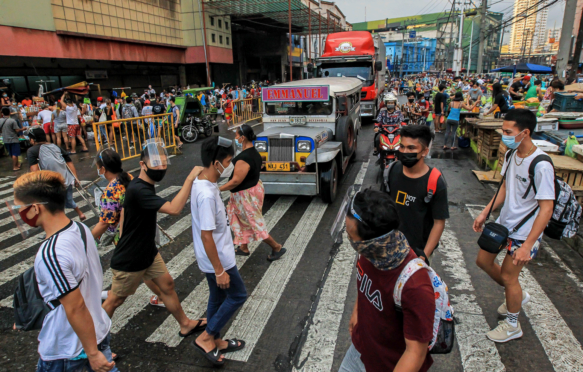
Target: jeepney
[(310, 135)]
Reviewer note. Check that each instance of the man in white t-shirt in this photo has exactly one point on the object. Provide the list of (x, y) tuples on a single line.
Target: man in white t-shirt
[(526, 212), (74, 129), (214, 250), (75, 333), (46, 120)]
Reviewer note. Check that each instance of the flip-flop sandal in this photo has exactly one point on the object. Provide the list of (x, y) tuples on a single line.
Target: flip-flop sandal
[(233, 345), (84, 151), (154, 301), (240, 252), (274, 256), (199, 327), (454, 148), (212, 356)]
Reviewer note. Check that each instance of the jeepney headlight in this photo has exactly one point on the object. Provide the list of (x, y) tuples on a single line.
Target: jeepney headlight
[(304, 146), (261, 146)]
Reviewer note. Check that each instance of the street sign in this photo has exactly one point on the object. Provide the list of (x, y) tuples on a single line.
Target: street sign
[(412, 34)]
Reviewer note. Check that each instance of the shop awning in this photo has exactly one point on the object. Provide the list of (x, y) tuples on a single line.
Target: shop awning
[(524, 67), (273, 15)]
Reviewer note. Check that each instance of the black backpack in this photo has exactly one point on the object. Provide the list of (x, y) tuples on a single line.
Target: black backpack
[(566, 208), (30, 308)]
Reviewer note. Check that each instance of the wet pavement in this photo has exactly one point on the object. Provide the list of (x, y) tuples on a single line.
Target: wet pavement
[(296, 317)]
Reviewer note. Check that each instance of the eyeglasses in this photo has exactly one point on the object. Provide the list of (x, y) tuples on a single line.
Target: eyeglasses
[(353, 212)]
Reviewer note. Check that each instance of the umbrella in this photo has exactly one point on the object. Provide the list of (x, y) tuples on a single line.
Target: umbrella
[(81, 89), (524, 67)]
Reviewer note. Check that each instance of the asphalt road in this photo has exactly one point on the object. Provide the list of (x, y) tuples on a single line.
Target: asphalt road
[(297, 313)]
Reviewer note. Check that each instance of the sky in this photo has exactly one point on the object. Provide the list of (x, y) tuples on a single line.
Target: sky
[(380, 9)]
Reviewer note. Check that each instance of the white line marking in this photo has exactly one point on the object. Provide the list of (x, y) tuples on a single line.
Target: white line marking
[(9, 178), (135, 303), (317, 353), (195, 303), (478, 353), (255, 313), (19, 268), (561, 346)]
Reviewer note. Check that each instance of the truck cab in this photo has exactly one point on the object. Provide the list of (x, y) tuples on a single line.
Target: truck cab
[(310, 135)]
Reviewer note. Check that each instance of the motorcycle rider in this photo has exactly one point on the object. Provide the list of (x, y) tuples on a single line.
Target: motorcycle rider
[(389, 114)]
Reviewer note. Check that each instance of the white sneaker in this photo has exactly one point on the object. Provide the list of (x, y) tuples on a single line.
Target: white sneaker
[(505, 332), (502, 310), (104, 295)]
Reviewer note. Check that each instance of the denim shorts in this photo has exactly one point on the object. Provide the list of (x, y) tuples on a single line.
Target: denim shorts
[(514, 244), (78, 364), (13, 149)]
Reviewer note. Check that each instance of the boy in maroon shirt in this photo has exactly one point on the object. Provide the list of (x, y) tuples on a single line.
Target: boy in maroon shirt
[(383, 338)]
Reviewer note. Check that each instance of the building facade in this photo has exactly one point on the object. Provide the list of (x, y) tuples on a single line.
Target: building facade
[(529, 33)]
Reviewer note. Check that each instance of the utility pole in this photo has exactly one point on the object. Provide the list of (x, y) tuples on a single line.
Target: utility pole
[(402, 47), (577, 55), (483, 14), (565, 42), (470, 53), (458, 52)]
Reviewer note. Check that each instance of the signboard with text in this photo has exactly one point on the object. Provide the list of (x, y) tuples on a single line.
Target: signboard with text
[(297, 94), (412, 34)]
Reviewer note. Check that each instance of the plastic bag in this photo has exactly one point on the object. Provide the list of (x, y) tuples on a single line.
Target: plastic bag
[(571, 141)]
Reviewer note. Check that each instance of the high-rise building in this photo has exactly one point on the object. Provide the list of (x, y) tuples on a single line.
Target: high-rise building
[(529, 32)]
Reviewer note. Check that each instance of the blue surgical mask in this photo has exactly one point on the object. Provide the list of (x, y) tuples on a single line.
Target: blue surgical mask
[(101, 175), (509, 141), (238, 144)]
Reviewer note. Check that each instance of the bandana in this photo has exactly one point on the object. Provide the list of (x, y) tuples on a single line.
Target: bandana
[(386, 252)]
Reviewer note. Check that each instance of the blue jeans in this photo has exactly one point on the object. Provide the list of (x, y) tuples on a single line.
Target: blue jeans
[(352, 362), (450, 132), (79, 365), (223, 303), (69, 201)]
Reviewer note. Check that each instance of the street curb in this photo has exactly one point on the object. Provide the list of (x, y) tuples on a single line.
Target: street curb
[(575, 243)]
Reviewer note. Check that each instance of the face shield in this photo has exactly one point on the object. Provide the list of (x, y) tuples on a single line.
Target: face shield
[(346, 208), (222, 142), (22, 225), (157, 156)]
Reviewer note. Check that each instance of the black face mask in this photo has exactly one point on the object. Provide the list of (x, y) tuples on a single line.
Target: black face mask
[(411, 100), (409, 159), (155, 175)]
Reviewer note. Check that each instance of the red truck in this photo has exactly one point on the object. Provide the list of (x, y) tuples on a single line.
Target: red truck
[(358, 54)]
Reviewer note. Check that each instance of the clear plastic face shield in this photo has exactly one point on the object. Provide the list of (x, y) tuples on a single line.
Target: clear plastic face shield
[(222, 142), (15, 212), (346, 208), (157, 154)]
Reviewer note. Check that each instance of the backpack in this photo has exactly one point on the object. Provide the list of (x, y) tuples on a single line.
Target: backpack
[(443, 322), (126, 111), (566, 208), (431, 183), (30, 308)]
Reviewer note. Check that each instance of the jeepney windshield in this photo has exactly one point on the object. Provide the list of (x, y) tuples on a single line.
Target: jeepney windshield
[(298, 108)]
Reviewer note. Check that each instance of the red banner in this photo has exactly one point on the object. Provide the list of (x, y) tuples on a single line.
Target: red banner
[(296, 94)]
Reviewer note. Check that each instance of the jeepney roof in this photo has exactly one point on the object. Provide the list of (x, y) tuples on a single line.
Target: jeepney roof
[(337, 84)]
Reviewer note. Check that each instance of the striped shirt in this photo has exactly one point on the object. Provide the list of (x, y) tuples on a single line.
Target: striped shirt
[(61, 266)]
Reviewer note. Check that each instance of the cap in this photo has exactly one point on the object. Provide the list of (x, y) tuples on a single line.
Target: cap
[(147, 101), (99, 99), (527, 78)]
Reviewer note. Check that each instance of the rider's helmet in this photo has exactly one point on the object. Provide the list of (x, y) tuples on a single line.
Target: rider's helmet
[(390, 99)]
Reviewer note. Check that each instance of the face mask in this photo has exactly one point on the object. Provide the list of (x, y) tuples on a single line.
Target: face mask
[(155, 175), (386, 252), (411, 100), (239, 144), (390, 107), (227, 171), (422, 101), (102, 176), (19, 105), (5, 95), (509, 141), (409, 159), (29, 221)]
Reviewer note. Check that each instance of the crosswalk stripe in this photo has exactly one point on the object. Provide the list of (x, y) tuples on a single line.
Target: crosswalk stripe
[(560, 344), (136, 302), (19, 268), (254, 314), (194, 304), (317, 353), (9, 178)]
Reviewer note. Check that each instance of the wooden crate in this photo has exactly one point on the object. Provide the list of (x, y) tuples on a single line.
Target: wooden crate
[(490, 153), (569, 169), (489, 137)]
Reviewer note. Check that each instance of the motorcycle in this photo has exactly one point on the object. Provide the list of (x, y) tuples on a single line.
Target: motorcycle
[(390, 141), (193, 126)]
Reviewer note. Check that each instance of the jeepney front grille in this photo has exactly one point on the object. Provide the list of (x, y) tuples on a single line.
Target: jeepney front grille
[(281, 149)]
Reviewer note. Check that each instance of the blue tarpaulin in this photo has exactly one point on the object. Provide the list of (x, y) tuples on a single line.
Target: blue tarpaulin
[(524, 67)]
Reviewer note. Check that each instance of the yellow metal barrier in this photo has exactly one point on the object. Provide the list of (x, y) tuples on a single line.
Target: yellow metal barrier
[(245, 110), (126, 136)]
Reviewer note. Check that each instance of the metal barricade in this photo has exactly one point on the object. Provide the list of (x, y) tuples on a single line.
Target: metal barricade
[(126, 136), (245, 110)]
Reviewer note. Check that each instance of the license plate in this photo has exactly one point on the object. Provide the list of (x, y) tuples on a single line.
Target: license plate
[(297, 120), (277, 167)]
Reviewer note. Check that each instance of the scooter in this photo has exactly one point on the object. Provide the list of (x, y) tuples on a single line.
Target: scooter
[(390, 141)]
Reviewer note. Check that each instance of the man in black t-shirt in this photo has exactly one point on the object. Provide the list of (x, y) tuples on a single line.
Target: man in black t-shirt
[(439, 107), (518, 89), (136, 258), (422, 216)]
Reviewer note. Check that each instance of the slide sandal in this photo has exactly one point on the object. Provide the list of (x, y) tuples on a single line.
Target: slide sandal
[(212, 356), (233, 345), (274, 256), (198, 328)]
